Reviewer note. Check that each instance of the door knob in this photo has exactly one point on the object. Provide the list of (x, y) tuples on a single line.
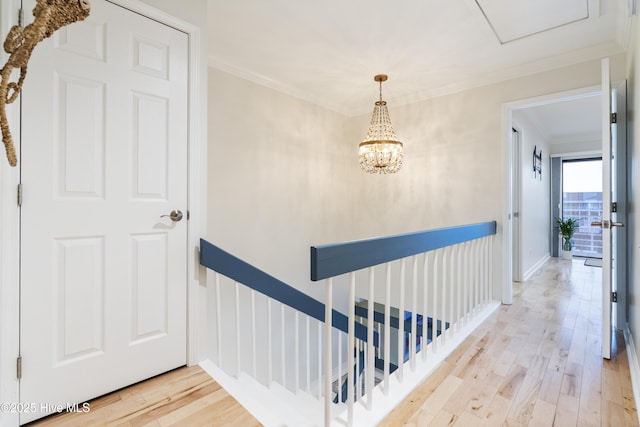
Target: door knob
[(175, 215), (607, 224)]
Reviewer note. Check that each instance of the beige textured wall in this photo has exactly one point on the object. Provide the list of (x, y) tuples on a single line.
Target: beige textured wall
[(282, 172), (455, 156), (633, 214), (535, 195), (281, 177)]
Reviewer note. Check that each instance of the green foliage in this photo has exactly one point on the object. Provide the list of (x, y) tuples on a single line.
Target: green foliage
[(567, 228)]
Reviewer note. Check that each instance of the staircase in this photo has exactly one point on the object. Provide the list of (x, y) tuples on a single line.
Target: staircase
[(274, 352)]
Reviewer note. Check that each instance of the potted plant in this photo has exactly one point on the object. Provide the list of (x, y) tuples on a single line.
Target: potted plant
[(567, 228)]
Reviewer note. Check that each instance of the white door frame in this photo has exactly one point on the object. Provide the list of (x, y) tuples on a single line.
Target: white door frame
[(516, 200), (507, 161), (10, 213), (9, 246)]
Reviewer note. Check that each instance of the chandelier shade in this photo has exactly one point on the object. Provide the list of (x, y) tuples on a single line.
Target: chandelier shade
[(381, 150)]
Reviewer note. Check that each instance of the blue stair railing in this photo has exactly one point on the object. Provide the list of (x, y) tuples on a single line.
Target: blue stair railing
[(452, 265), (218, 260), (440, 252)]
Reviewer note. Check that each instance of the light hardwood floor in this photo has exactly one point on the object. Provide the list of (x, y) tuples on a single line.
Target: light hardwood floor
[(183, 397), (534, 363)]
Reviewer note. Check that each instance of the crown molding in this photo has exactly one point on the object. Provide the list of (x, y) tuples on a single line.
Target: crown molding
[(262, 80), (485, 79), (522, 70)]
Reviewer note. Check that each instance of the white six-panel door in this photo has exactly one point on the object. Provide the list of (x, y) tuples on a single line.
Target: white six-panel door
[(104, 157)]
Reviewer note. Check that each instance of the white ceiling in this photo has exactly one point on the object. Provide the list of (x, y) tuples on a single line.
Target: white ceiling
[(577, 119), (513, 20), (328, 51)]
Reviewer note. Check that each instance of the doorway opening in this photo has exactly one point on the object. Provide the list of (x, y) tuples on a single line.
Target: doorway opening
[(558, 126), (582, 200)]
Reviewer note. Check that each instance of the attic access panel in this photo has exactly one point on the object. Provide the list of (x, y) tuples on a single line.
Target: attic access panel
[(512, 20)]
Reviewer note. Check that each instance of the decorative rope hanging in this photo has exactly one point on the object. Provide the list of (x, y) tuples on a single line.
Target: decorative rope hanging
[(49, 16)]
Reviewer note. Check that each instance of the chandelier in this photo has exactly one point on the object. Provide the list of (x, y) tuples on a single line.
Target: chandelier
[(381, 151)]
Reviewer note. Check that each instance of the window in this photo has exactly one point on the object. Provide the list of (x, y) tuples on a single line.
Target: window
[(582, 199)]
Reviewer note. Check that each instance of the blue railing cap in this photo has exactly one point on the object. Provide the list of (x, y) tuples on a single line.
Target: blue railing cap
[(334, 259)]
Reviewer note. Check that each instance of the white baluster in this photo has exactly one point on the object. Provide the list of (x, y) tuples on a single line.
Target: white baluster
[(283, 348), (414, 315), (387, 328), (477, 273), (434, 320), (480, 272), (483, 273), (400, 375), (378, 329), (328, 401), (486, 271), (254, 347), (358, 378), (445, 278), (320, 360), (365, 374), (296, 351), (474, 258), (236, 286), (370, 365), (350, 347), (467, 278), (425, 308), (308, 352), (490, 284), (459, 285), (269, 344), (452, 287), (218, 320), (339, 365)]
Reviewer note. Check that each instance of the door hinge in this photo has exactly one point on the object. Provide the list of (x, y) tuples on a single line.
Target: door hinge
[(19, 195), (614, 207), (21, 17), (614, 117), (19, 367), (614, 296)]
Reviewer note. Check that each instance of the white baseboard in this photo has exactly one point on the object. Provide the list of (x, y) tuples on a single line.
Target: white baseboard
[(535, 267), (634, 366)]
